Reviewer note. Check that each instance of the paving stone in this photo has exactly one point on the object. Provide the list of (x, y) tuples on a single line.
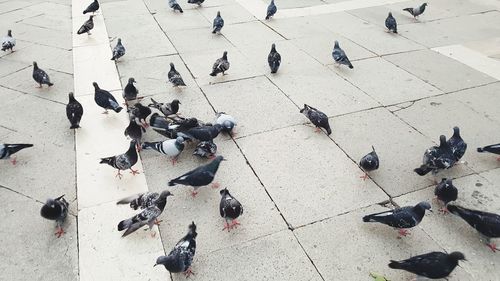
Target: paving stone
[(483, 100), (53, 58), (190, 19), (11, 66), (298, 27), (9, 19), (237, 34), (43, 36), (233, 13), (124, 8), (198, 40), (48, 21)]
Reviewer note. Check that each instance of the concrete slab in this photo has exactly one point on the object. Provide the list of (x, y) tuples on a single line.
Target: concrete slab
[(483, 100), (191, 40), (237, 34), (297, 27), (232, 13), (11, 66), (190, 19), (49, 21), (124, 8), (42, 36), (53, 58)]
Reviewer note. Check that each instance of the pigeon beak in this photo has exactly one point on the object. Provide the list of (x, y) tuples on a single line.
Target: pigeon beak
[(430, 210), (155, 265)]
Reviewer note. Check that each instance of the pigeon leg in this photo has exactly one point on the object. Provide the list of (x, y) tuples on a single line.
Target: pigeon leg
[(39, 86), (444, 210), (174, 160), (215, 185), (119, 175), (157, 222), (153, 234), (13, 160), (194, 193), (59, 232), (317, 130), (105, 111), (403, 232), (188, 272), (492, 246), (227, 226), (498, 159), (235, 223), (364, 177), (134, 172)]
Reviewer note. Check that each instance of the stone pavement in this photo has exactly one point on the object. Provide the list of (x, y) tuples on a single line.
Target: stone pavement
[(301, 191)]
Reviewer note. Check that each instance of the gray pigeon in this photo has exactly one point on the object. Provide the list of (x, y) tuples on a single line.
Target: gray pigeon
[(92, 8), (205, 149), (274, 59), (167, 109), (271, 10), (143, 200), (105, 99), (437, 158), (415, 12), (230, 209), (170, 147), (226, 121), (123, 161), (40, 76), (203, 133), (175, 77), (56, 209), (390, 23), (7, 150), (457, 144), (118, 50), (369, 162), (318, 118), (8, 42), (130, 92), (401, 218), (87, 26), (74, 111), (198, 2), (339, 56), (174, 5), (221, 65), (433, 265), (218, 23)]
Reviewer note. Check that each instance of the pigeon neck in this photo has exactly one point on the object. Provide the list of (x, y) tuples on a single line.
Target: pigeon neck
[(9, 33)]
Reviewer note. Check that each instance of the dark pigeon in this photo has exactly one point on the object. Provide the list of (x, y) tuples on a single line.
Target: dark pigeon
[(140, 112), (174, 76), (74, 112), (221, 65), (446, 192), (226, 121), (401, 218), (143, 200), (8, 42), (204, 133), (130, 92), (437, 158), (205, 149), (487, 224), (274, 59), (181, 256), (434, 265), (118, 50), (415, 12), (169, 127), (201, 176), (171, 148), (168, 108), (174, 5), (149, 216), (369, 162), (318, 118), (87, 26), (218, 23), (230, 209), (457, 144), (56, 209), (339, 56), (494, 148), (390, 23), (271, 10), (40, 76), (198, 2), (7, 150), (92, 8), (123, 161), (105, 99), (134, 131)]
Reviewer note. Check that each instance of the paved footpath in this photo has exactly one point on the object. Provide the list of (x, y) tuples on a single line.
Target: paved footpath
[(301, 191)]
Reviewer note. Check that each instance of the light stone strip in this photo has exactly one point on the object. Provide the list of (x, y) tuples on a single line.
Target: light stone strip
[(258, 7), (472, 58), (103, 253)]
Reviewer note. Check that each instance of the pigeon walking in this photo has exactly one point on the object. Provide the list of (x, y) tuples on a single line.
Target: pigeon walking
[(174, 77), (123, 161), (415, 12), (230, 209), (56, 209), (318, 118), (221, 65), (204, 133), (401, 218), (105, 99), (7, 150), (198, 2), (40, 76), (274, 59), (167, 109), (140, 112), (144, 200), (446, 192), (8, 42), (74, 112), (271, 10), (149, 216), (218, 23), (130, 92), (181, 256), (369, 162), (134, 131), (92, 8), (87, 26), (487, 224), (339, 56), (205, 149), (457, 144), (171, 148), (494, 148), (437, 158), (201, 176), (434, 265), (118, 50), (226, 121), (174, 5), (390, 23)]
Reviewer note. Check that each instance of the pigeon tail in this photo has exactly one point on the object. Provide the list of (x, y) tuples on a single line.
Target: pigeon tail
[(395, 265), (124, 224), (422, 170), (13, 148), (369, 218), (50, 84), (350, 65), (178, 8), (480, 149), (108, 161), (74, 126), (118, 109), (409, 10), (213, 73)]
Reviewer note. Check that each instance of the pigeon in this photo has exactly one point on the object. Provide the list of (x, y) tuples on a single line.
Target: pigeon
[(226, 121), (318, 118), (74, 112), (206, 149), (415, 12), (369, 162), (433, 265), (56, 209), (221, 65), (118, 50), (130, 92), (401, 218), (201, 176), (123, 161), (494, 148), (271, 10), (390, 23), (174, 5), (105, 99), (144, 200), (198, 2), (92, 8), (174, 77), (171, 147), (181, 256), (149, 216), (487, 224), (6, 150), (134, 131), (274, 59), (218, 23), (140, 112), (230, 209), (204, 133), (87, 26), (168, 108), (437, 158), (457, 144), (340, 57), (446, 192), (40, 76), (8, 42), (171, 126)]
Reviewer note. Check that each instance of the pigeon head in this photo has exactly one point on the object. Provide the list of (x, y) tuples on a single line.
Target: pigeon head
[(442, 141), (228, 125), (71, 96), (9, 33), (51, 203), (172, 67), (119, 41), (305, 109), (192, 229), (131, 80), (390, 14), (35, 65), (95, 85), (167, 261), (165, 194), (336, 45), (273, 47), (224, 192), (224, 55), (91, 17), (424, 5), (176, 101), (218, 13), (457, 256), (179, 140), (448, 181), (424, 205), (456, 132)]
